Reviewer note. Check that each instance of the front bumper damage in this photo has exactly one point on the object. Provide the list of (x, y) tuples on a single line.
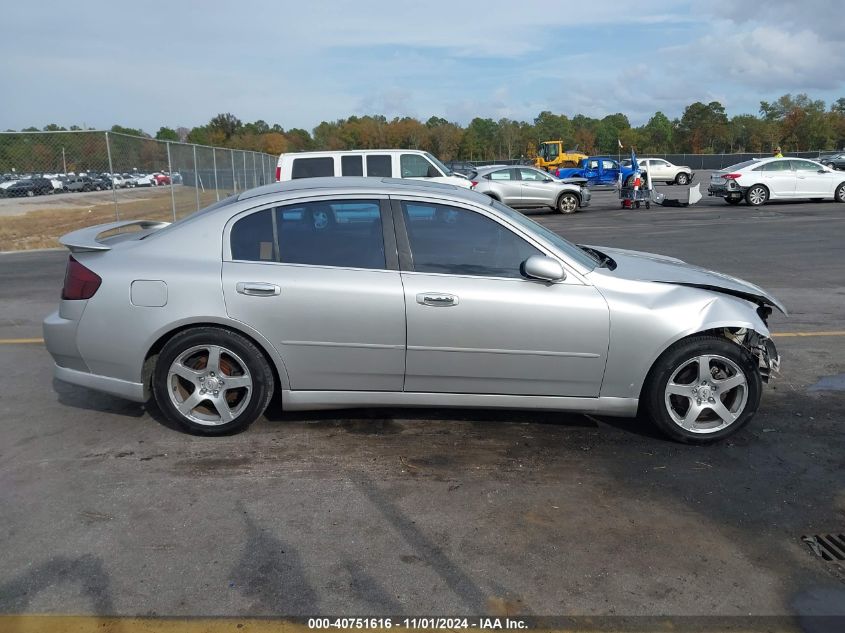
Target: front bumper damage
[(767, 355)]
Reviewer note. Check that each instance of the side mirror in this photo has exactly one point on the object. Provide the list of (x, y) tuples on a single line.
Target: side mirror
[(823, 170), (548, 179), (545, 268)]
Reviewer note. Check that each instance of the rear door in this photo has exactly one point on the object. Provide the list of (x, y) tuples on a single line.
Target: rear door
[(505, 183), (476, 325), (316, 279), (592, 171), (779, 177)]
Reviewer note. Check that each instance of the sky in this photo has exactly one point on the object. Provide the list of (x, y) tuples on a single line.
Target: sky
[(180, 63)]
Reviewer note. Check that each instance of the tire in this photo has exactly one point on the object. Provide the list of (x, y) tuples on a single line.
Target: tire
[(682, 179), (567, 203), (30, 193), (187, 374), (839, 195), (733, 201), (677, 379), (757, 195)]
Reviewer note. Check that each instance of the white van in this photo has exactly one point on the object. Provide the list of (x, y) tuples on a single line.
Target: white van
[(382, 163)]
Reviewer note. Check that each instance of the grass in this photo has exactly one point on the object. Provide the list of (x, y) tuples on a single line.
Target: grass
[(42, 228)]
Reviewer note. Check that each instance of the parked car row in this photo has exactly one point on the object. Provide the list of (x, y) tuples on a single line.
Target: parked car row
[(28, 185)]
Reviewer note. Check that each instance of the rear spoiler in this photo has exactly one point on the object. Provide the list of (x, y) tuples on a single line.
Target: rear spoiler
[(86, 239)]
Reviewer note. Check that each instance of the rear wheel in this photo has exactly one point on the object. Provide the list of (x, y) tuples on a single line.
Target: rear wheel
[(839, 196), (702, 389), (567, 203), (212, 381), (757, 195), (682, 179)]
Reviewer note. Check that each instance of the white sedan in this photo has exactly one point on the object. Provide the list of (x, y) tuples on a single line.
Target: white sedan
[(662, 170), (759, 180)]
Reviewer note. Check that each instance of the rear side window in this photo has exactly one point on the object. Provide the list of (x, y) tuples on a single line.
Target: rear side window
[(504, 174), (352, 165), (379, 165), (312, 167), (344, 233)]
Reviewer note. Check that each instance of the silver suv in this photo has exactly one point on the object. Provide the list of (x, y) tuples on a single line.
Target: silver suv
[(526, 187)]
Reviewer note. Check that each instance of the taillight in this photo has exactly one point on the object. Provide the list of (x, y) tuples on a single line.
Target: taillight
[(80, 282), (473, 184), (278, 174), (731, 176)]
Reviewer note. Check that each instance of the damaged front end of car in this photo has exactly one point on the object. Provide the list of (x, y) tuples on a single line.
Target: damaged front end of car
[(762, 347)]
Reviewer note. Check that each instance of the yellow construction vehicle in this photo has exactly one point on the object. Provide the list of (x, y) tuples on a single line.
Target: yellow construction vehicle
[(551, 155)]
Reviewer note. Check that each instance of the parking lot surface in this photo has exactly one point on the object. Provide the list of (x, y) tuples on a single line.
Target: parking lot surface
[(108, 510)]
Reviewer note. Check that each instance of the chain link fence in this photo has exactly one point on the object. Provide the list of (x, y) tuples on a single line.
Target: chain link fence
[(125, 177)]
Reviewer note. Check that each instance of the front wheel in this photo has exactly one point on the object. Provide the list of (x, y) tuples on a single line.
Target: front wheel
[(212, 381), (757, 195), (702, 389), (567, 203), (682, 179)]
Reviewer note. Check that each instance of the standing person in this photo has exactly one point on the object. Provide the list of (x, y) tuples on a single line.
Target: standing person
[(778, 153)]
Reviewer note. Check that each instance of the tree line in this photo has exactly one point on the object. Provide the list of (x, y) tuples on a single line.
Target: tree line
[(795, 123)]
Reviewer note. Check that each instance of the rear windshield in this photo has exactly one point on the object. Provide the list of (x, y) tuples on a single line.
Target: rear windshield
[(741, 165)]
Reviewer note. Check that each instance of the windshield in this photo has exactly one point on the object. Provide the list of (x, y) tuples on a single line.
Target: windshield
[(564, 246), (547, 150), (440, 165)]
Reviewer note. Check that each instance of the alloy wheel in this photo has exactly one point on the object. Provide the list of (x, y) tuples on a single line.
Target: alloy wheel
[(209, 385), (706, 394)]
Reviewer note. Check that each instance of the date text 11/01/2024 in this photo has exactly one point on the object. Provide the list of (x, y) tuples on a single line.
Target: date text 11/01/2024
[(444, 623)]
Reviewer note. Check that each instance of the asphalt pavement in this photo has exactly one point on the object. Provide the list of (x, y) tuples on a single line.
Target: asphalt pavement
[(109, 510)]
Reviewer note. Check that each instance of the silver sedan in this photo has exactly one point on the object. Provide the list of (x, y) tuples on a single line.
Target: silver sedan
[(527, 188), (355, 292)]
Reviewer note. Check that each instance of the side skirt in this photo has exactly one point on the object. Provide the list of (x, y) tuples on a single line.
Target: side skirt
[(314, 400)]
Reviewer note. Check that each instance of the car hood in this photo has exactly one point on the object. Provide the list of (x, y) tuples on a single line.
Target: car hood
[(642, 266)]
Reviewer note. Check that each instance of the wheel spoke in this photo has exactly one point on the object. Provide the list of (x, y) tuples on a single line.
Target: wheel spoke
[(730, 383), (213, 359), (236, 382), (722, 411), (675, 389), (691, 416), (704, 374), (188, 404), (223, 409), (185, 372)]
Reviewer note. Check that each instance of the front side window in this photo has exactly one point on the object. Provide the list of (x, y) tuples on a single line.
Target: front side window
[(379, 165), (415, 166), (804, 165), (457, 241), (312, 167), (344, 233)]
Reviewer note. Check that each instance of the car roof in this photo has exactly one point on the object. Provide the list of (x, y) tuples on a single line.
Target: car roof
[(488, 168), (332, 152), (345, 184)]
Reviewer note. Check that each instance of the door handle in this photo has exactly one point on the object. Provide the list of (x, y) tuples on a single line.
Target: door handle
[(257, 288), (437, 299)]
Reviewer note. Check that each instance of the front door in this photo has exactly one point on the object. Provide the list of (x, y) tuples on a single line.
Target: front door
[(809, 183), (476, 325), (314, 278)]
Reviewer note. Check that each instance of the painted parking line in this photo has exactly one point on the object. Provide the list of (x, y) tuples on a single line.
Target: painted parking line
[(21, 341), (39, 341)]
